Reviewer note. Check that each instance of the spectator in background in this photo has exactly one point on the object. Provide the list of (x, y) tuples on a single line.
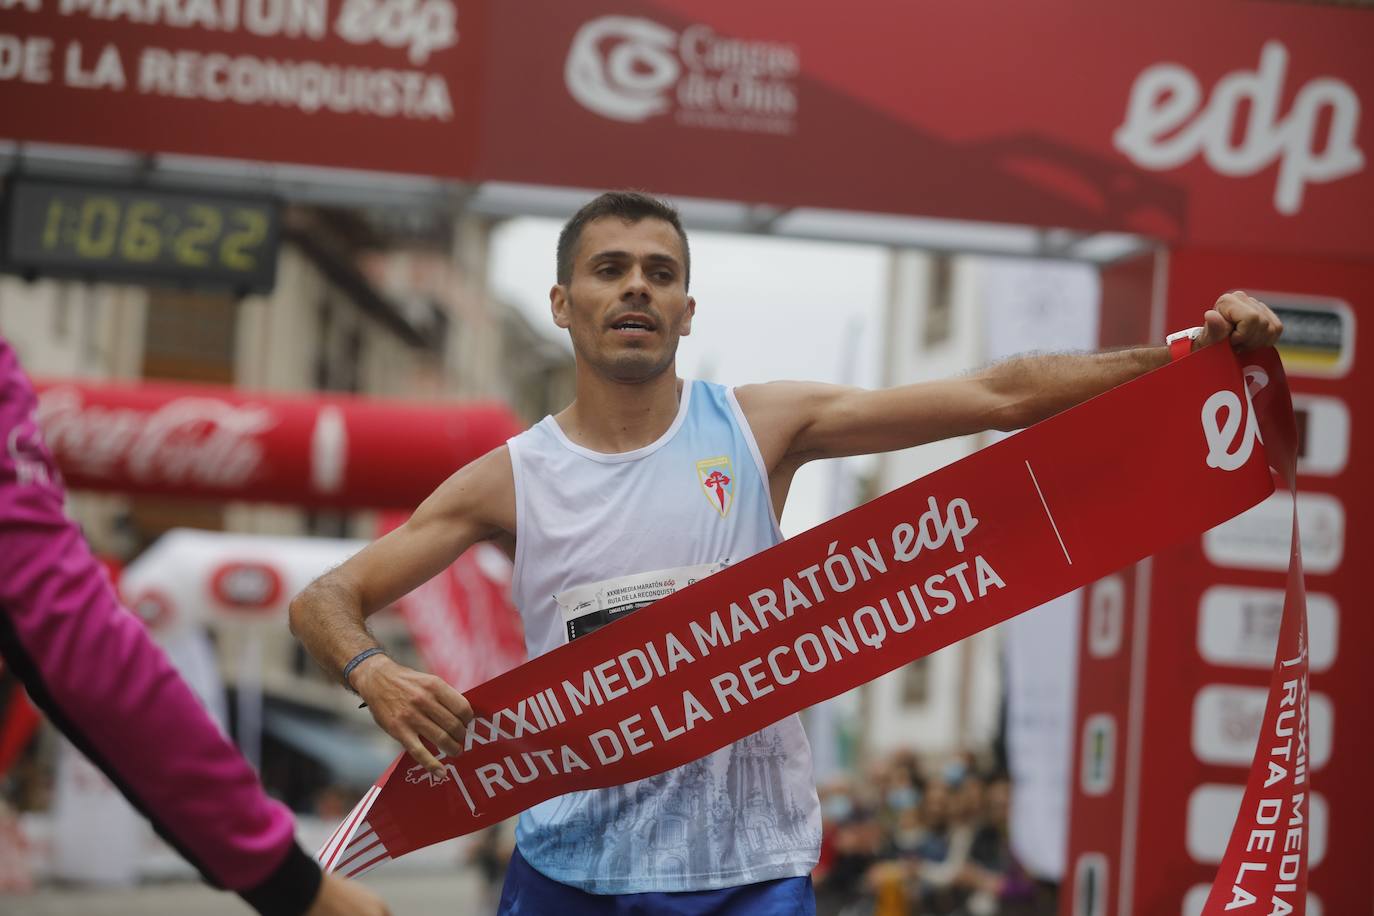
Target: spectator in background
[(851, 844), (899, 844), (996, 882), (941, 854)]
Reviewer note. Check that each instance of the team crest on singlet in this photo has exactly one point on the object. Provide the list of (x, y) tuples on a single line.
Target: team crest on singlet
[(717, 480)]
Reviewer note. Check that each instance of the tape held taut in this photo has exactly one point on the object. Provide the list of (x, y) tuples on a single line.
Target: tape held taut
[(1264, 869), (1124, 475)]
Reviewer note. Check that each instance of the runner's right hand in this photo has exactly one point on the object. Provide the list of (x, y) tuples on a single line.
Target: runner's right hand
[(338, 897), (410, 705)]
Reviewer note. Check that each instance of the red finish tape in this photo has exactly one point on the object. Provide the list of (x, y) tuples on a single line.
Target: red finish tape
[(1072, 499)]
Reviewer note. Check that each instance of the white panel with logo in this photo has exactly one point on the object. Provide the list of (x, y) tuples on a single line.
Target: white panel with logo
[(1239, 627), (1197, 898), (1227, 720), (1259, 537), (1212, 812)]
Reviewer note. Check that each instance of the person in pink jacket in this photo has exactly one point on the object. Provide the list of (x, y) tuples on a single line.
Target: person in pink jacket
[(91, 667)]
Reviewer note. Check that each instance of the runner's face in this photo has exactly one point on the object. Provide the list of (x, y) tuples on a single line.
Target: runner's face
[(627, 303)]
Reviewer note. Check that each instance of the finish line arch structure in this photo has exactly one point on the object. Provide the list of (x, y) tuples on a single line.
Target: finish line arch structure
[(1228, 133)]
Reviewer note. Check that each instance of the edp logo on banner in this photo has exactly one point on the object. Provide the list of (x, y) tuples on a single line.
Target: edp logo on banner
[(1164, 127)]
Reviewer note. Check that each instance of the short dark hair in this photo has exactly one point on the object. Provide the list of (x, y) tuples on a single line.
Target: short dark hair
[(630, 206)]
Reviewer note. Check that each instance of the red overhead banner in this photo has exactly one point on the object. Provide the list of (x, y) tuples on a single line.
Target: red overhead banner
[(365, 84), (221, 443), (1224, 122)]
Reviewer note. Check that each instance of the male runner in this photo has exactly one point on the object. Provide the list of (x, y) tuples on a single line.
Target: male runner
[(645, 482), (92, 668)]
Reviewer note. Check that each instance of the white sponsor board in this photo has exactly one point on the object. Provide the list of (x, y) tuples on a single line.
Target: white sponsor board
[(1197, 898), (1259, 537), (1212, 811), (1227, 719), (1240, 627), (1326, 434), (96, 833)]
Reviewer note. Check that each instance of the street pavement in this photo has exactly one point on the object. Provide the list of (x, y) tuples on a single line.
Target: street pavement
[(459, 894)]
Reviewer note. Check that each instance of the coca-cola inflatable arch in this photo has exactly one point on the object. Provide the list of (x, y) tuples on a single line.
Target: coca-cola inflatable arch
[(335, 451)]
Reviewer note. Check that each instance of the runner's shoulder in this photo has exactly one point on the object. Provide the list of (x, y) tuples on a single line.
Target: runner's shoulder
[(481, 493), (782, 397), (789, 405), (494, 481)]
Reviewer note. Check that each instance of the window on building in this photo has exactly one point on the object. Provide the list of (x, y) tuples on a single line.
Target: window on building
[(916, 683), (188, 337), (939, 323)]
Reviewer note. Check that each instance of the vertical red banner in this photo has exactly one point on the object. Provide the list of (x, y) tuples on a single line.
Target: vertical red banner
[(1101, 853), (1209, 616)]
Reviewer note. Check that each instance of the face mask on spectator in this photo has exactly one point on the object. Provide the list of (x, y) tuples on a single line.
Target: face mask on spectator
[(903, 798), (838, 808), (955, 771)]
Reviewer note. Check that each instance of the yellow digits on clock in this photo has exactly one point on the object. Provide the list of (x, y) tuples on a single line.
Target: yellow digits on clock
[(141, 240), (254, 231), (205, 226)]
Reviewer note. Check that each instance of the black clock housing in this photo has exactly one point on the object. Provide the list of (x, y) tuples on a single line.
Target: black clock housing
[(114, 232)]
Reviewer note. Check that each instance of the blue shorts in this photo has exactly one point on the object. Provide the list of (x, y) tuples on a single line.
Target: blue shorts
[(529, 893)]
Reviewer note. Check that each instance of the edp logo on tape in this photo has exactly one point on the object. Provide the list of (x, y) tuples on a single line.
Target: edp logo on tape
[(1221, 435)]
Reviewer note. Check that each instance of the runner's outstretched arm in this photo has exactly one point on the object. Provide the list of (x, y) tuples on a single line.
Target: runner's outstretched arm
[(90, 665), (796, 422), (329, 617)]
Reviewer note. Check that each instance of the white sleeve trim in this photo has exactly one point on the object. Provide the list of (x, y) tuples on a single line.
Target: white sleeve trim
[(518, 564), (748, 434)]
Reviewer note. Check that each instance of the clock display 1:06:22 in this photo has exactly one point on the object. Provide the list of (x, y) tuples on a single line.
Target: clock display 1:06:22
[(143, 231)]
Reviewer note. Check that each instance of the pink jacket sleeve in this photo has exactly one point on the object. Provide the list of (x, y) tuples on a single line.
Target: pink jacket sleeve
[(90, 665)]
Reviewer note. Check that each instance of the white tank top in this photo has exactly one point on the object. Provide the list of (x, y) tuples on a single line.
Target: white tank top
[(696, 496)]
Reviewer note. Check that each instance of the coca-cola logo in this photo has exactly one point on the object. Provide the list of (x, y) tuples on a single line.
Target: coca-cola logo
[(190, 441), (249, 586), (1165, 127)]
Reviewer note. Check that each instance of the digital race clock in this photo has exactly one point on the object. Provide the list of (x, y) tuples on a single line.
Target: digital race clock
[(108, 232)]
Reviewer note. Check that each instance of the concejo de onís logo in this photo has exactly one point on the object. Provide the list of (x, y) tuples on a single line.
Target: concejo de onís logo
[(631, 69), (1166, 125)]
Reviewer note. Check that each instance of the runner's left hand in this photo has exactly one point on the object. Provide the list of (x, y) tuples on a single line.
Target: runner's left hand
[(1247, 322)]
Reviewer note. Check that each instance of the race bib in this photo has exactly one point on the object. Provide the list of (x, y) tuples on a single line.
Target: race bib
[(588, 608)]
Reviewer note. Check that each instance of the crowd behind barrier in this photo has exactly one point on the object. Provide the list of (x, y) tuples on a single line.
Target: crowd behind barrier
[(902, 840)]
